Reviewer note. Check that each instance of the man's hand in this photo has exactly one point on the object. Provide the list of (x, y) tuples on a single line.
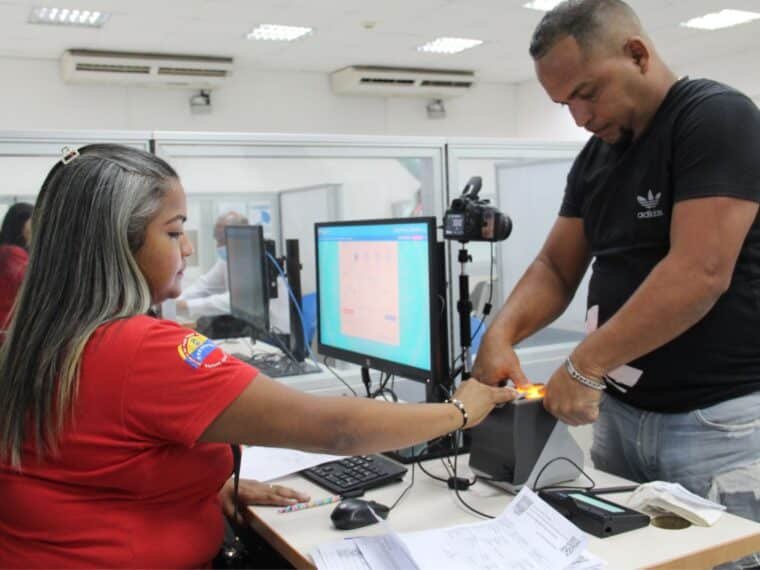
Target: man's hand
[(252, 492), (570, 401), (497, 362)]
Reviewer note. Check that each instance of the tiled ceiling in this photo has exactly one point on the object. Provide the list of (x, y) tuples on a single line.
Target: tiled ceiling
[(356, 32)]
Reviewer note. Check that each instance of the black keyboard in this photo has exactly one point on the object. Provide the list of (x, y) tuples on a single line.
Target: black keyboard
[(351, 474)]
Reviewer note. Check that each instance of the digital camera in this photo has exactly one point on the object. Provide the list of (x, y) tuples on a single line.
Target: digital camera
[(472, 219)]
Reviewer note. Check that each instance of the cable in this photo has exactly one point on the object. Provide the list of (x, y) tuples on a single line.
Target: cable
[(296, 304), (274, 336), (383, 390), (536, 488), (346, 384), (404, 492), (429, 474), (471, 508), (458, 434)]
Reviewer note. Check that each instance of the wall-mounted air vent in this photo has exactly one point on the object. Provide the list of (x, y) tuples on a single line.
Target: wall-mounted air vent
[(401, 81), (144, 69)]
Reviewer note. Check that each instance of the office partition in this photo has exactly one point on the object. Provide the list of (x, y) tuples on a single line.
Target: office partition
[(27, 156), (526, 181), (297, 180)]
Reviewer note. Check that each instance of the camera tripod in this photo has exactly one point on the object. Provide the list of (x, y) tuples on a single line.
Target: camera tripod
[(464, 309)]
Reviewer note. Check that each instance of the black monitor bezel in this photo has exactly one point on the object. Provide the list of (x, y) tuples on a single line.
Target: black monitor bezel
[(254, 321), (436, 330)]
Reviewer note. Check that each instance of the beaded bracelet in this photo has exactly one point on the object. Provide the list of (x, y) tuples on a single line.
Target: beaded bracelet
[(585, 380), (460, 406)]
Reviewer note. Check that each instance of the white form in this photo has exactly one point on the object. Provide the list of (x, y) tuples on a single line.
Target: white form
[(267, 463), (529, 535), (340, 555), (382, 552)]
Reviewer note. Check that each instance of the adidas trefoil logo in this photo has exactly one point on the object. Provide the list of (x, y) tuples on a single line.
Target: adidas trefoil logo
[(650, 202)]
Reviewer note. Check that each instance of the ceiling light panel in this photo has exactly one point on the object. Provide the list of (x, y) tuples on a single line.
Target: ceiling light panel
[(276, 32), (68, 17), (722, 19), (449, 45), (542, 5)]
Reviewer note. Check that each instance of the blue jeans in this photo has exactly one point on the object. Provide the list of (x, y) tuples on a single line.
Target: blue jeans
[(714, 452)]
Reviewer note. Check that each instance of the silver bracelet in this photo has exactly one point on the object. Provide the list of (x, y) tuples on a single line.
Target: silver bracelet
[(460, 406), (585, 380)]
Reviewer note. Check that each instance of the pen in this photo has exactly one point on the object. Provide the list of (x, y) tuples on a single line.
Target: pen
[(310, 504)]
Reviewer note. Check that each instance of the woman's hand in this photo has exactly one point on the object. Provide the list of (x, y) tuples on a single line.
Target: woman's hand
[(252, 492), (478, 399)]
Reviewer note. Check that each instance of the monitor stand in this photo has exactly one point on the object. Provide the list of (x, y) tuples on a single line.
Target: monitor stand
[(444, 446)]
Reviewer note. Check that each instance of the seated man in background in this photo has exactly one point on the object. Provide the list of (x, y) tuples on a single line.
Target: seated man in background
[(209, 295)]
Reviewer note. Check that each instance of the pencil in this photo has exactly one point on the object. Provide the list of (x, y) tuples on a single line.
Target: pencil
[(310, 504)]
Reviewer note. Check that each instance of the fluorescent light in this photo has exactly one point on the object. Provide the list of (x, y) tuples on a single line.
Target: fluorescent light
[(722, 19), (68, 17), (277, 33), (449, 45), (542, 5)]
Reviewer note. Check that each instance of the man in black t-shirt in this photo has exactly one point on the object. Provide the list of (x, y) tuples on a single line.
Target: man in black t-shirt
[(664, 199)]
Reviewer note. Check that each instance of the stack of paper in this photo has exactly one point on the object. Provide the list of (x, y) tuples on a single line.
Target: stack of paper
[(528, 535)]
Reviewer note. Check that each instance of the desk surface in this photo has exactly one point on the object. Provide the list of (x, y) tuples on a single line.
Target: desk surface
[(430, 504)]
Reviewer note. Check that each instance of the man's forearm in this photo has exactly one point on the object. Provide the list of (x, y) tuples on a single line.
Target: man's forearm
[(672, 299), (538, 298)]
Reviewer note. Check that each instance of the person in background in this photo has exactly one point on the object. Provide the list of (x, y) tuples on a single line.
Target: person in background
[(15, 236), (209, 295), (115, 425), (664, 198)]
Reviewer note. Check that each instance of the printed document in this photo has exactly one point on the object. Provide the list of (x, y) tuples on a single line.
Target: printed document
[(529, 535)]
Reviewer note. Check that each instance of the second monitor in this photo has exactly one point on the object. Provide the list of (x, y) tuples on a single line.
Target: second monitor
[(251, 269)]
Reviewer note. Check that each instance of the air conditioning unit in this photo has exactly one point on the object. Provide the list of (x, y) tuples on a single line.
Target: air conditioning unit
[(401, 81), (144, 69)]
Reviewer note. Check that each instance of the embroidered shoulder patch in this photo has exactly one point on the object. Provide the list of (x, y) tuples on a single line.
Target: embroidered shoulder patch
[(197, 350)]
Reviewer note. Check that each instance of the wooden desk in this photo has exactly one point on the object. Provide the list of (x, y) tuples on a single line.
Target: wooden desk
[(430, 504)]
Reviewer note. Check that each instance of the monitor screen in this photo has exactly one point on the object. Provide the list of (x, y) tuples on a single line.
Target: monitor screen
[(247, 276), (377, 294)]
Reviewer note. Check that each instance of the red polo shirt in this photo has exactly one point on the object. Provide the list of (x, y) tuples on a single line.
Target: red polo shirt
[(131, 486)]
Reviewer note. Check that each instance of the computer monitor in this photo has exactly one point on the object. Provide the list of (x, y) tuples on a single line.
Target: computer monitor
[(247, 276), (381, 298)]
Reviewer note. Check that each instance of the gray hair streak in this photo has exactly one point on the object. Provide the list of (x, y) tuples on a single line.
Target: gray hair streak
[(89, 221)]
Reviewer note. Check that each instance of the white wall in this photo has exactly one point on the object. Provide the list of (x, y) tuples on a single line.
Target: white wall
[(536, 116), (34, 97)]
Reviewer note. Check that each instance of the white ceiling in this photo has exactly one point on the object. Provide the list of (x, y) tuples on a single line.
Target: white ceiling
[(356, 32)]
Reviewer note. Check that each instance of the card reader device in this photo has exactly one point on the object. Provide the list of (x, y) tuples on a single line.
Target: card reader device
[(517, 442), (594, 515)]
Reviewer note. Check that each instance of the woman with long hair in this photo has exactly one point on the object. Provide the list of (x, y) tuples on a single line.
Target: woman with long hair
[(15, 235), (113, 423)]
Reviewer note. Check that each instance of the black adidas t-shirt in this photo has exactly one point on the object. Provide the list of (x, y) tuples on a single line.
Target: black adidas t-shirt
[(703, 141)]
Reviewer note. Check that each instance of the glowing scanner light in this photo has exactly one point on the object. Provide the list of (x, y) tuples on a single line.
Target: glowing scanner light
[(532, 391)]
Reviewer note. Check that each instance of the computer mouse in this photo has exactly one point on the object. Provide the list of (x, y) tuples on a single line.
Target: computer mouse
[(356, 513)]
